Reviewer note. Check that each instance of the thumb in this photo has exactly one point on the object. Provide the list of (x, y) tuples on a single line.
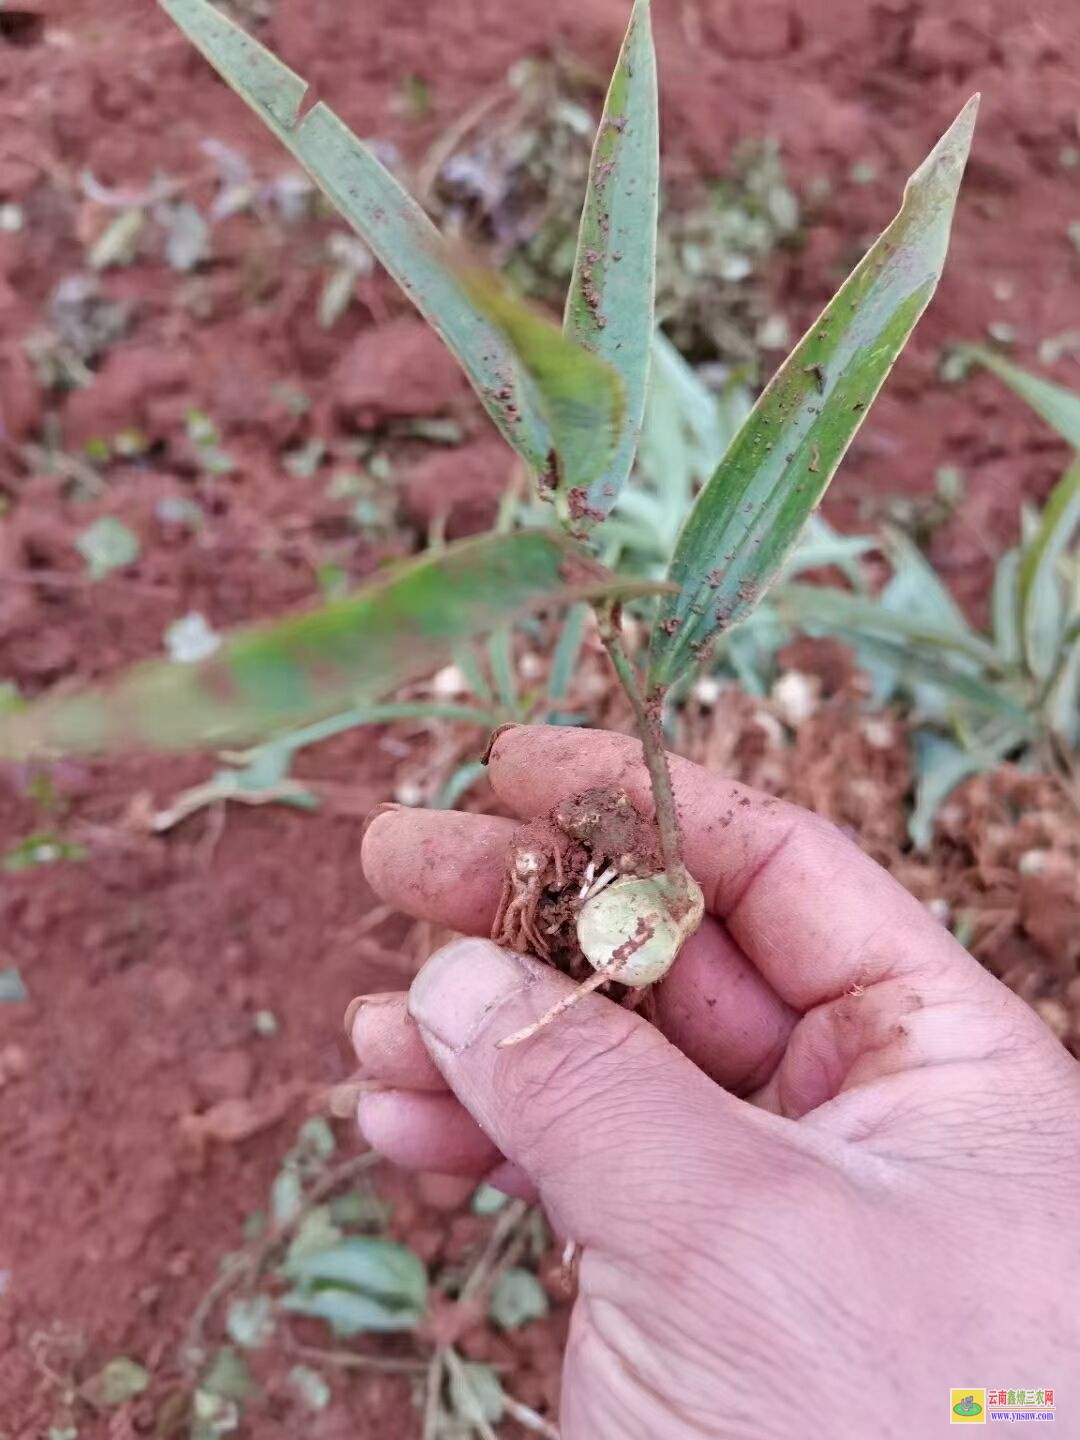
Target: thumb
[(606, 1117)]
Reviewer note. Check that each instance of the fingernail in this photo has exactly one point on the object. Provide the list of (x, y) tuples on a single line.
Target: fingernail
[(462, 986), (357, 1004), (494, 737), (343, 1098), (351, 1012), (373, 815)]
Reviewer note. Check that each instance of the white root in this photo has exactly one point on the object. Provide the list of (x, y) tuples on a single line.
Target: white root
[(586, 987), (594, 888)]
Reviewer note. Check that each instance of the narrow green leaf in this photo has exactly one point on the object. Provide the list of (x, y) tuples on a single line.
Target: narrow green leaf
[(828, 606), (1059, 407), (1005, 607), (749, 516), (390, 222), (503, 671), (1063, 696), (567, 652), (918, 666), (918, 591), (1041, 607), (270, 677), (463, 777), (582, 397), (609, 307), (941, 765)]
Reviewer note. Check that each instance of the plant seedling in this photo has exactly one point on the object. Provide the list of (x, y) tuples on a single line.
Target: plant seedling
[(594, 888)]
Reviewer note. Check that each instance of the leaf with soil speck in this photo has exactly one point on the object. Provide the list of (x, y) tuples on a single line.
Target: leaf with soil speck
[(754, 508), (610, 303), (387, 218), (270, 677)]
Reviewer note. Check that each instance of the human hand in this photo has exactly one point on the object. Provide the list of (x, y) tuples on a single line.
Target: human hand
[(890, 1211)]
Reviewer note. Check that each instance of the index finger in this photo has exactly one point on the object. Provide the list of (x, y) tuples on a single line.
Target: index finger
[(813, 913)]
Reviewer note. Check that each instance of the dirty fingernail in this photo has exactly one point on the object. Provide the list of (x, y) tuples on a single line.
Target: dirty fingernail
[(462, 986), (343, 1098), (494, 737), (384, 809)]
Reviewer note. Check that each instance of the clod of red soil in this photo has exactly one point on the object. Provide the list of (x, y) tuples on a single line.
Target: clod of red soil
[(20, 396), (132, 380), (397, 371), (463, 485), (1050, 903), (226, 1075)]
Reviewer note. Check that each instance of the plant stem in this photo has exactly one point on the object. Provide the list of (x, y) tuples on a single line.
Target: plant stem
[(647, 715)]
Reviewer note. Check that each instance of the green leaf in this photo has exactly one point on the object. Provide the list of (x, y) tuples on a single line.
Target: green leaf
[(119, 1381), (918, 591), (249, 1321), (581, 395), (286, 1195), (1041, 610), (387, 218), (609, 307), (316, 1232), (107, 545), (228, 1376), (1005, 607), (1057, 406), (270, 677), (42, 848), (1063, 695), (487, 1200), (853, 613), (503, 669), (348, 1313), (749, 516), (12, 989), (564, 661), (916, 665), (476, 1392), (941, 765), (516, 1298), (362, 1283)]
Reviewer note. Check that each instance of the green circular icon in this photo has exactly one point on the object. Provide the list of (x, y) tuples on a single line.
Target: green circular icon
[(967, 1407)]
